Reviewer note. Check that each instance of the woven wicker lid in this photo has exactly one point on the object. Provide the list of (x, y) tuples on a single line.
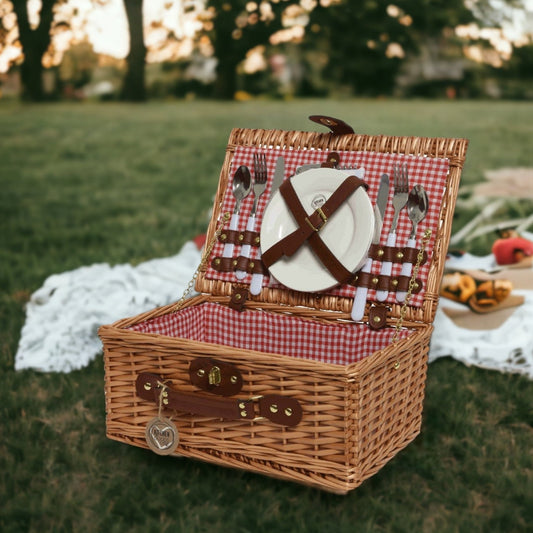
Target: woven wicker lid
[(435, 162)]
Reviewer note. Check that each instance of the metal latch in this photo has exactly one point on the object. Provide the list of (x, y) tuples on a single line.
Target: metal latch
[(215, 376)]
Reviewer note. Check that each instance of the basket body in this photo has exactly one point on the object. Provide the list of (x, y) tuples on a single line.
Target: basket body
[(357, 417), (361, 395)]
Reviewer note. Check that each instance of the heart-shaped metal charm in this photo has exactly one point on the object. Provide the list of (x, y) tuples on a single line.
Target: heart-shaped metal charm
[(162, 436)]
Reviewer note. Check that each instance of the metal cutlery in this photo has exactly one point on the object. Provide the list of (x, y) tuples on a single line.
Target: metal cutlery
[(417, 208), (242, 185), (399, 201), (259, 186), (358, 307), (303, 168), (279, 173)]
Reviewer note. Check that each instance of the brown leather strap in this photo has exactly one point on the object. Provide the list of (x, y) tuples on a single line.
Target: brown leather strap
[(278, 409), (230, 264), (309, 227), (239, 237), (385, 283), (395, 254)]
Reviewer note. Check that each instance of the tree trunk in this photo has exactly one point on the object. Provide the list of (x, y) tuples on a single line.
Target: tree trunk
[(34, 42), (227, 52), (133, 88)]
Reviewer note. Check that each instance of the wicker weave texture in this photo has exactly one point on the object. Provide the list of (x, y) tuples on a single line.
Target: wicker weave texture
[(356, 417)]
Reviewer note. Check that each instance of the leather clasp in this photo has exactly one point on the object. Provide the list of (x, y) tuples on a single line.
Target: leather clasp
[(238, 298), (377, 317), (215, 376)]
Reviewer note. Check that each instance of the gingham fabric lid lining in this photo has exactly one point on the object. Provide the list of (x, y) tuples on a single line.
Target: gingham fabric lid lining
[(429, 172)]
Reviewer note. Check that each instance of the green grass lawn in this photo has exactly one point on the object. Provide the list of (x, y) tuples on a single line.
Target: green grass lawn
[(86, 183)]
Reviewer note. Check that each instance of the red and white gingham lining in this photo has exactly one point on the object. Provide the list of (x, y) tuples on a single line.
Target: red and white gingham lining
[(428, 172), (268, 332)]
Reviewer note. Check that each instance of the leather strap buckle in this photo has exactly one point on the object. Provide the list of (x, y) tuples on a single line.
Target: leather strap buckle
[(322, 215)]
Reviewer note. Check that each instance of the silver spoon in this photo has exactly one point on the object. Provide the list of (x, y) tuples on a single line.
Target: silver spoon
[(242, 185), (417, 208)]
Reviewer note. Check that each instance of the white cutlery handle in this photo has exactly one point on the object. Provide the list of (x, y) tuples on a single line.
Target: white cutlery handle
[(245, 250), (228, 247), (359, 301), (256, 284), (406, 271), (386, 268)]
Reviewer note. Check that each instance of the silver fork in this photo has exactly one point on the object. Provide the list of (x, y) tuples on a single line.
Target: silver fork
[(260, 182), (399, 201)]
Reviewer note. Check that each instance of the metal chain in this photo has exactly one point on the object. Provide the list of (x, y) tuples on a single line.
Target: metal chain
[(209, 248), (412, 284)]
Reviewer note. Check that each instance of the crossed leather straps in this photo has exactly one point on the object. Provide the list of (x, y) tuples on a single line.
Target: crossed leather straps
[(309, 227)]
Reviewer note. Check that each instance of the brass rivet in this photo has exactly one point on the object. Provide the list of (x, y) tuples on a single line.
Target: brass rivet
[(394, 282), (242, 405), (241, 237), (147, 386), (217, 261), (200, 373), (377, 319), (415, 285), (237, 296), (165, 401), (396, 365), (356, 278), (375, 281), (223, 237), (252, 264), (380, 252), (399, 255), (234, 379), (234, 262), (288, 411), (244, 414), (257, 239), (273, 408)]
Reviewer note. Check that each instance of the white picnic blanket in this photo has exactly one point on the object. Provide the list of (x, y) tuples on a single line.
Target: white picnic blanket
[(63, 316)]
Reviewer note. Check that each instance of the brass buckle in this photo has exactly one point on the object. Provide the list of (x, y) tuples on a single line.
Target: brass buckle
[(322, 215)]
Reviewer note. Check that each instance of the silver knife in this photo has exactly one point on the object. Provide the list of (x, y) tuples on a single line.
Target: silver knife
[(358, 307), (279, 173), (304, 168)]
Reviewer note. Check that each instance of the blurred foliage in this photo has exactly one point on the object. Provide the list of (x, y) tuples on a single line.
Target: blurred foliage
[(300, 47)]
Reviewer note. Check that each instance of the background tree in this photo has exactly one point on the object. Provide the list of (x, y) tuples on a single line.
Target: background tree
[(35, 42), (366, 43), (236, 27), (133, 88)]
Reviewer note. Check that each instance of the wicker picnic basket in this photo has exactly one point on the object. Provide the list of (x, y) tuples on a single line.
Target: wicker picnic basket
[(284, 383)]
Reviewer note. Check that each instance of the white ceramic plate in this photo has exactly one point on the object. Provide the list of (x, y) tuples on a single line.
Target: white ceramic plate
[(348, 232)]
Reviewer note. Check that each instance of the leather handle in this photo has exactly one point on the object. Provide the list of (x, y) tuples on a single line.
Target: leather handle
[(337, 126), (278, 409)]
